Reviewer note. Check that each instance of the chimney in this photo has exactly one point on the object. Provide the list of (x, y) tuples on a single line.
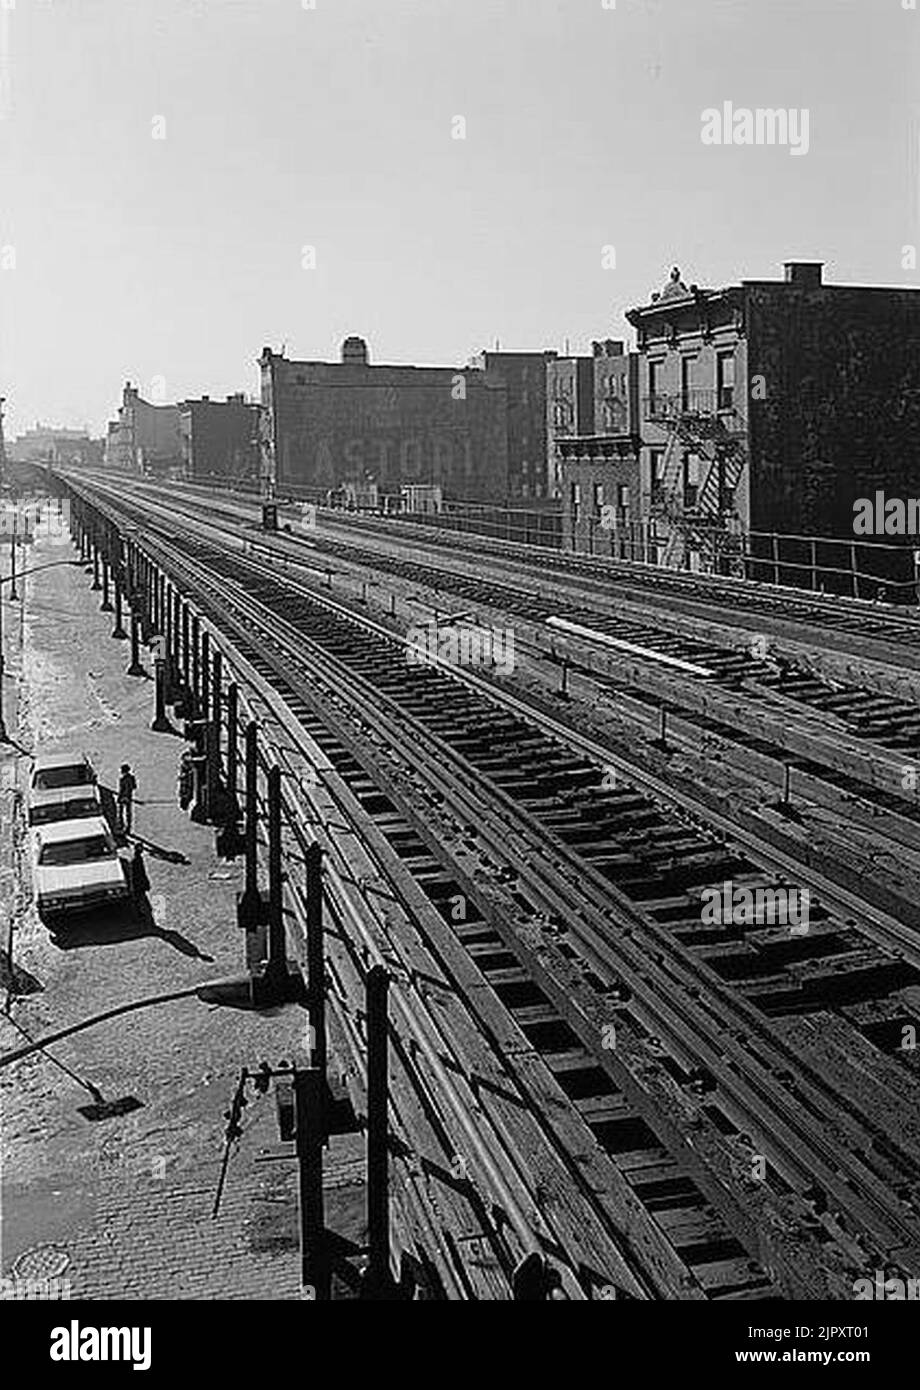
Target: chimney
[(805, 274), (354, 352)]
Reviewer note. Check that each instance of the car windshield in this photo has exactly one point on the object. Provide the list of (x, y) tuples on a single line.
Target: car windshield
[(65, 810), (74, 775), (84, 851)]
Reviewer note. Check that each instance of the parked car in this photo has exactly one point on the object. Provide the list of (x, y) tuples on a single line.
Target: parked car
[(70, 803), (76, 866), (62, 786)]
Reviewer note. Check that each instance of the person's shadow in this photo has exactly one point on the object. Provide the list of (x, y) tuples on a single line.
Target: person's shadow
[(128, 922), (147, 919)]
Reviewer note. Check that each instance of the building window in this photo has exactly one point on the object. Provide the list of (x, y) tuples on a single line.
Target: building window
[(598, 497), (691, 480), (654, 381), (614, 416), (624, 498), (656, 462), (726, 380), (686, 383)]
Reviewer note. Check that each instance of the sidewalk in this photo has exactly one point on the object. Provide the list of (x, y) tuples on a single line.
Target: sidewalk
[(111, 1151)]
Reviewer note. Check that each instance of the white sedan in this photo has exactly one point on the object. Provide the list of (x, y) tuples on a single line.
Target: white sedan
[(62, 786), (76, 866)]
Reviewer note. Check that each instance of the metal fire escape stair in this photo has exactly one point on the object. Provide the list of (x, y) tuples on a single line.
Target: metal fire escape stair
[(698, 427)]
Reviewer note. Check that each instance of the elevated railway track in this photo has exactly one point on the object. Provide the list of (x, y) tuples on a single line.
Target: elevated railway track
[(749, 1127), (851, 747)]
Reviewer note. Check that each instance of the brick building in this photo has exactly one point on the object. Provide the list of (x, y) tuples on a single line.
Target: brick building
[(767, 408), (525, 377), (325, 424), (220, 439), (50, 444), (145, 438), (693, 387), (569, 408), (598, 467)]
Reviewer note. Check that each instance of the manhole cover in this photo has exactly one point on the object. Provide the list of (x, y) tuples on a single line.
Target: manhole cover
[(45, 1262)]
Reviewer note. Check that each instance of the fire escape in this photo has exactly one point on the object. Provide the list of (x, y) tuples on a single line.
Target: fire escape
[(699, 518)]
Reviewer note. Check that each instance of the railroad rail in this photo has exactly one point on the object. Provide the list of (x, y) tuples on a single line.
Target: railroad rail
[(704, 593), (851, 748), (601, 908)]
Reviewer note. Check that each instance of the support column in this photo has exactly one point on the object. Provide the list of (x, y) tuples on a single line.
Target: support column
[(170, 636), (106, 604), (196, 676), (118, 631), (136, 669), (205, 701), (276, 970), (250, 904), (130, 577), (214, 751), (144, 597), (378, 1279), (175, 632), (316, 967), (233, 705), (315, 1269), (186, 673), (161, 724)]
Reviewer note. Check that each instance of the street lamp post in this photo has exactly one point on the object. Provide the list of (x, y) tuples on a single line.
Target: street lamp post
[(4, 736), (14, 594), (11, 579)]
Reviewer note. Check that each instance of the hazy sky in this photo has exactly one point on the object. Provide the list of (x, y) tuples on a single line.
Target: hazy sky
[(331, 127)]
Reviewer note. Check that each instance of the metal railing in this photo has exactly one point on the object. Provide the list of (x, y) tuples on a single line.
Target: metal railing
[(697, 403)]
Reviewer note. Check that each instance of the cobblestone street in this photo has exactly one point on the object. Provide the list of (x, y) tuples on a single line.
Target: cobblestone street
[(113, 1138)]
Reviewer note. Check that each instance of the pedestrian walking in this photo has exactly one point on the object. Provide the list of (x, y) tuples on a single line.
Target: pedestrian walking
[(127, 786)]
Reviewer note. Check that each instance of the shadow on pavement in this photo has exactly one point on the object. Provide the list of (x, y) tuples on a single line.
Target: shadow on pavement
[(171, 856), (110, 1109), (17, 980), (114, 925)]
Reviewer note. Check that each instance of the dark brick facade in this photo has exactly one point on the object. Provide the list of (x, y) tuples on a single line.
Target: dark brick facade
[(598, 468), (569, 408), (525, 378), (841, 414), (220, 438), (330, 423), (818, 384)]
